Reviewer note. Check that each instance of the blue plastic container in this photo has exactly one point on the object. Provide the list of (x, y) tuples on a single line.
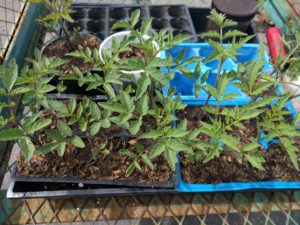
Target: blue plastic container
[(241, 186), (185, 86)]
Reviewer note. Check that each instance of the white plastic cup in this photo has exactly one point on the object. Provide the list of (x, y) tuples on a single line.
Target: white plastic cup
[(107, 44)]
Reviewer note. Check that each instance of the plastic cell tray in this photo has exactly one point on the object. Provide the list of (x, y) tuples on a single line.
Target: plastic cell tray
[(185, 86), (240, 186), (98, 19), (90, 20), (175, 17), (124, 13)]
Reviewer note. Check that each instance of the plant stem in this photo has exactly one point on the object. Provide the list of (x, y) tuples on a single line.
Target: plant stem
[(67, 35), (289, 56)]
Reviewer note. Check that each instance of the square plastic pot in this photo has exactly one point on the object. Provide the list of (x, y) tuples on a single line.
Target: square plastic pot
[(185, 86), (240, 186)]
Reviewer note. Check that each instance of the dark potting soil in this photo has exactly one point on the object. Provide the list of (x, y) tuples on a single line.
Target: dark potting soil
[(226, 168), (60, 48), (80, 163)]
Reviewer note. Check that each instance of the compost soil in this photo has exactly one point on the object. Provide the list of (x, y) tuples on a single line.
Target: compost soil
[(60, 47), (227, 168), (80, 163)]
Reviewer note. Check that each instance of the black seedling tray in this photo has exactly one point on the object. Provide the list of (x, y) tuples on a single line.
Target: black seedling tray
[(26, 190), (175, 17), (98, 19), (74, 89), (90, 19), (69, 179), (124, 13)]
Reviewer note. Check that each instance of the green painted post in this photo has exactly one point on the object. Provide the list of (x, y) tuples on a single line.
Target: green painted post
[(279, 13), (25, 41)]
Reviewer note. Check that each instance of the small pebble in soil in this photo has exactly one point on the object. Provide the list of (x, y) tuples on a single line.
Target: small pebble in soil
[(81, 185)]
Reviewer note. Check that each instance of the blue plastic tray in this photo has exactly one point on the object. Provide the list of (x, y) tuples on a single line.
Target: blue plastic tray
[(185, 86), (240, 186)]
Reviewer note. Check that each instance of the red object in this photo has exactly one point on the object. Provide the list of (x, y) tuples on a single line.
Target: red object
[(275, 44)]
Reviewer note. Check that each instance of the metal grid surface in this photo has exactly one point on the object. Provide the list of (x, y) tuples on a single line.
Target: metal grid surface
[(257, 208), (11, 12)]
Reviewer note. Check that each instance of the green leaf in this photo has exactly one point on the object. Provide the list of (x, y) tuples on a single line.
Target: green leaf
[(256, 160), (158, 149), (153, 134), (137, 165), (146, 26), (109, 90), (38, 125), (64, 129), (291, 150), (27, 147), (21, 90), (46, 148), (213, 91), (10, 75), (142, 105), (171, 157), (77, 142), (127, 101), (261, 88), (72, 105), (113, 106), (135, 126), (128, 153), (251, 147), (11, 134), (55, 135), (142, 84), (158, 76), (147, 161), (58, 106), (61, 148), (176, 133), (121, 24), (134, 19), (95, 127), (177, 146), (95, 111), (130, 169), (231, 141), (234, 33), (211, 34), (249, 114)]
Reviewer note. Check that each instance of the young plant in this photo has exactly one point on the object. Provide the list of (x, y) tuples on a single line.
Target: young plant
[(152, 78), (20, 128), (58, 11)]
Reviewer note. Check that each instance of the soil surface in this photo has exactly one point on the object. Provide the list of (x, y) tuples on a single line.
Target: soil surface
[(226, 168), (60, 48), (135, 52), (80, 163), (278, 166)]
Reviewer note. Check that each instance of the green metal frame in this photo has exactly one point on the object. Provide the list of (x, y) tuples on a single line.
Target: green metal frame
[(280, 13), (24, 43)]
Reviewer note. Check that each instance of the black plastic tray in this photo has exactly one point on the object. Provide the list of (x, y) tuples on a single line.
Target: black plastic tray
[(25, 190), (91, 19), (97, 19), (175, 17), (123, 13), (68, 179)]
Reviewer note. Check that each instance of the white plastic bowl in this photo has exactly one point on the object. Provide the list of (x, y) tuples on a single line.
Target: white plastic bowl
[(107, 44)]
